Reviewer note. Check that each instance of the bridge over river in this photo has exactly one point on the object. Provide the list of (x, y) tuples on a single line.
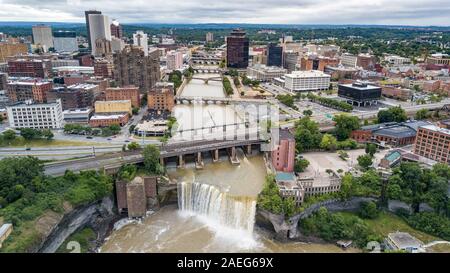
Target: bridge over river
[(113, 162)]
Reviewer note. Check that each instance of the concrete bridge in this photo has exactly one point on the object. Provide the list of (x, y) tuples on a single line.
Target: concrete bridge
[(206, 70), (113, 162), (206, 80), (218, 100)]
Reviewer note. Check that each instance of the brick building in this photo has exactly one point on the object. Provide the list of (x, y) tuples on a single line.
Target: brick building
[(391, 133), (30, 68), (74, 96), (433, 142), (283, 156), (31, 89), (161, 97), (132, 67), (99, 120), (124, 93), (103, 67)]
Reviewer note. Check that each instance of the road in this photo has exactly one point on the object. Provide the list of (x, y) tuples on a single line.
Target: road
[(59, 153)]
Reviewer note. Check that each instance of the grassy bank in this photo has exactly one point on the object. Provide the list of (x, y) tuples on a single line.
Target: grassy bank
[(18, 143), (84, 237), (387, 222)]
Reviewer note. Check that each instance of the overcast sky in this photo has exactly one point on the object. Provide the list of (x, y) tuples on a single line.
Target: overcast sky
[(398, 12)]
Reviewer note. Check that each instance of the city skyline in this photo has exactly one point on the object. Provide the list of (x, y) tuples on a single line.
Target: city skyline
[(339, 12)]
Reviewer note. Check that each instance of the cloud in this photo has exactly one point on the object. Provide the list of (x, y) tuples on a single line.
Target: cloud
[(405, 12)]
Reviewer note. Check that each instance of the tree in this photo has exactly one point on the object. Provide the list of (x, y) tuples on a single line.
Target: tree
[(393, 114), (9, 135), (151, 159), (345, 124), (328, 142), (368, 210), (127, 172), (371, 149), (29, 133), (308, 112), (48, 134), (307, 134), (365, 161), (135, 110), (133, 146), (301, 165), (421, 114)]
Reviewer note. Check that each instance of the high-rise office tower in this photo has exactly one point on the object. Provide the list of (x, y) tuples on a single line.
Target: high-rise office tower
[(274, 55), (132, 67), (88, 28), (237, 49), (141, 39), (99, 29), (209, 37), (42, 35), (65, 41), (116, 29)]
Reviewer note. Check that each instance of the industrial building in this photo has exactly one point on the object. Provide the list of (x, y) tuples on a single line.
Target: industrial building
[(433, 142)]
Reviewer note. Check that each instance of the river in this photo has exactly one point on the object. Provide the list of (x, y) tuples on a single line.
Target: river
[(216, 205)]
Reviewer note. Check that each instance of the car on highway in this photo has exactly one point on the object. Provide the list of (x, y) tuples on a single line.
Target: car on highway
[(89, 137), (108, 139), (27, 148), (127, 140)]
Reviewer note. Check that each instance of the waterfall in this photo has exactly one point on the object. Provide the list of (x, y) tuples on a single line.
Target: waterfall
[(208, 201)]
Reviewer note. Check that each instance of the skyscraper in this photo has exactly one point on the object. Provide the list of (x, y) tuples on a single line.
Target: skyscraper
[(274, 55), (99, 29), (132, 67), (237, 49), (116, 29), (209, 37), (42, 35), (88, 28), (141, 39)]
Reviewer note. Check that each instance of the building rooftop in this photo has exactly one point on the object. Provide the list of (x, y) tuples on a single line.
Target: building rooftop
[(30, 81), (31, 103), (394, 129), (435, 128), (283, 176), (286, 134), (77, 111), (307, 74), (106, 117), (404, 240), (82, 86), (361, 85), (112, 101)]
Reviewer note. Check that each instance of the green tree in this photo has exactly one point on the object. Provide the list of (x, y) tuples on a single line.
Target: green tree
[(328, 142), (300, 165), (133, 146), (421, 114), (347, 187), (368, 210), (29, 133), (371, 149), (345, 124), (9, 135), (365, 161), (308, 112), (47, 134), (127, 172), (393, 114), (151, 160), (307, 135)]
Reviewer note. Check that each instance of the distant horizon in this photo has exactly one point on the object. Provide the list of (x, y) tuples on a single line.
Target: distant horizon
[(2, 23), (284, 12)]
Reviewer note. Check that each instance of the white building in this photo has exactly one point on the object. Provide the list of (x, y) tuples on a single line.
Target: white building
[(174, 60), (42, 35), (117, 44), (265, 73), (65, 41), (312, 80), (99, 29), (36, 116), (141, 39), (349, 60), (395, 60)]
